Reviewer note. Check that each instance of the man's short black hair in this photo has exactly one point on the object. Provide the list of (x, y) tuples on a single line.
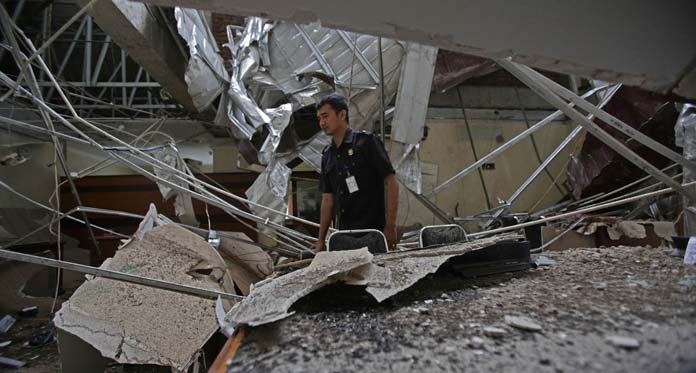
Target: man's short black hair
[(337, 103)]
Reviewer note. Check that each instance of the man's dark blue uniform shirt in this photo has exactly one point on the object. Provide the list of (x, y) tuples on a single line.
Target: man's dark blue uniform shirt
[(363, 156)]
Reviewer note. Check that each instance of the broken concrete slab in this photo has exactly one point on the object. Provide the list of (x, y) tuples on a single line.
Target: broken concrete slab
[(136, 324), (407, 267), (270, 300), (384, 275)]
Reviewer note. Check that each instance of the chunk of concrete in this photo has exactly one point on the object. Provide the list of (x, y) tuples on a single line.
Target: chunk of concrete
[(384, 275), (407, 267), (134, 324)]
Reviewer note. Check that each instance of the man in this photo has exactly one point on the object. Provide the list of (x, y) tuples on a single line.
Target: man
[(354, 171)]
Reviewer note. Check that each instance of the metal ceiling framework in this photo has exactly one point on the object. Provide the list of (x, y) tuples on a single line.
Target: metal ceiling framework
[(100, 77)]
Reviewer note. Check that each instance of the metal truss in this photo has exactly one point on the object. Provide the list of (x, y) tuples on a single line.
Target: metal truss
[(88, 65)]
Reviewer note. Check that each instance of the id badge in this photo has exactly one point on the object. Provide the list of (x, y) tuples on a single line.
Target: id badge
[(352, 184)]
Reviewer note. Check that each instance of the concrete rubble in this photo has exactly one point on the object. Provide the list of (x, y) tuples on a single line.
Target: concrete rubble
[(270, 300), (134, 324), (384, 276)]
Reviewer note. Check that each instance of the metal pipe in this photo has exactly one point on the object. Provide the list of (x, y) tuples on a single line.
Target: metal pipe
[(104, 104), (437, 212), (539, 125), (578, 212), (473, 148), (31, 80), (576, 131), (58, 32), (64, 63), (550, 158), (15, 14), (153, 161), (602, 195), (46, 23), (213, 200), (60, 214), (13, 122), (641, 190), (100, 59), (149, 158), (610, 119), (536, 85), (111, 77), (87, 65), (124, 64), (558, 236), (202, 231), (90, 84), (534, 143), (119, 276), (137, 79), (69, 213)]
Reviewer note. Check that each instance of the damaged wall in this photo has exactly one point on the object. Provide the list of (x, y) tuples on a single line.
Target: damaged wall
[(447, 150)]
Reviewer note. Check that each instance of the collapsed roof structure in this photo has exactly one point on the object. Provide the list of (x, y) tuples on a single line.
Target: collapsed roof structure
[(258, 90)]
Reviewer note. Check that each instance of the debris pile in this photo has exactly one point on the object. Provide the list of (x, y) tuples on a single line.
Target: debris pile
[(135, 324)]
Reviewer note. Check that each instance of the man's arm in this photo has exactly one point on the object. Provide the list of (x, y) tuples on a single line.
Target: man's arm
[(392, 187), (324, 220)]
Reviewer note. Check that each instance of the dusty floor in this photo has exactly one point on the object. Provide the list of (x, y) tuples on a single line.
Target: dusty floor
[(589, 295)]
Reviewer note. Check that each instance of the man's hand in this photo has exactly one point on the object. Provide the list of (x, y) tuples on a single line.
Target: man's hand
[(319, 246), (390, 235)]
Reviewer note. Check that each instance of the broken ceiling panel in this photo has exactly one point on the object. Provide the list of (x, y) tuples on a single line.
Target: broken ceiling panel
[(406, 268), (205, 71), (276, 63), (135, 324), (270, 300), (385, 275)]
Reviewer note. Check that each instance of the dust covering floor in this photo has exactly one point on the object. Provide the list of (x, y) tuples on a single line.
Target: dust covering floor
[(582, 304), (447, 323)]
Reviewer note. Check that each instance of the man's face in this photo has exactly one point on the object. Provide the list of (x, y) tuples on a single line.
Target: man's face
[(329, 120)]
